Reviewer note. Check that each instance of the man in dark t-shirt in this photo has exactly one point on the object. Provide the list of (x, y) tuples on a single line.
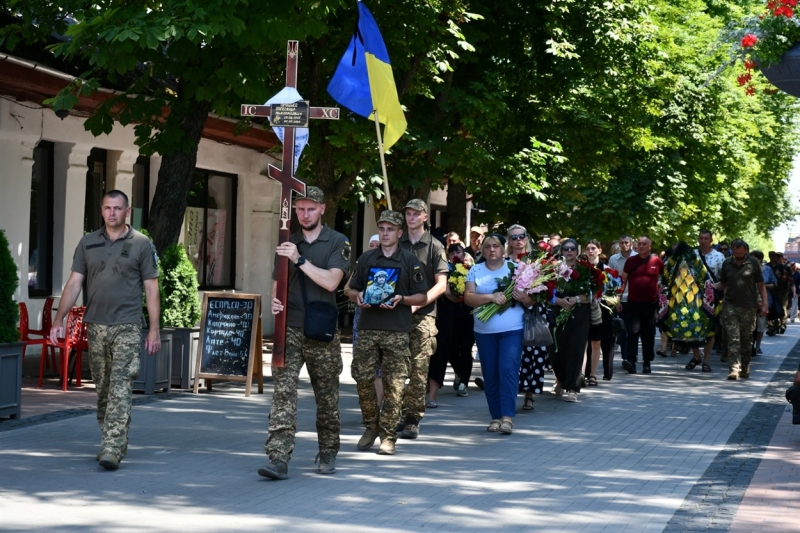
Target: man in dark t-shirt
[(384, 330), (117, 263), (640, 275), (319, 258), (741, 279)]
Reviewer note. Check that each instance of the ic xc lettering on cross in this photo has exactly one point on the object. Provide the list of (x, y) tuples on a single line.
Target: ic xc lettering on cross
[(289, 116)]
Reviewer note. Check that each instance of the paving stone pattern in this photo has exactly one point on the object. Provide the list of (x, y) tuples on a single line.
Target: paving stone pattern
[(635, 454), (712, 503)]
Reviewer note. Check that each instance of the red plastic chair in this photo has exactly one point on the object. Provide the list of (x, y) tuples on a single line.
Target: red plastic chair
[(25, 331), (75, 338)]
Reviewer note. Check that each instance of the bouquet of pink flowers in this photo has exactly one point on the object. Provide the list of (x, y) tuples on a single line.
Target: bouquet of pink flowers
[(538, 278)]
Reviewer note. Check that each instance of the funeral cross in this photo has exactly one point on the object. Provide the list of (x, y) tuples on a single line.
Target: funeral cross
[(290, 116)]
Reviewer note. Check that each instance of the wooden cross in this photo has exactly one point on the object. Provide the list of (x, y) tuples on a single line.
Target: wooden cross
[(290, 116)]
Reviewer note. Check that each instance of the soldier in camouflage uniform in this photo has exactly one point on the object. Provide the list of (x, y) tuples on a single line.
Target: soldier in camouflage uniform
[(741, 279), (319, 257), (383, 331), (117, 262), (432, 257)]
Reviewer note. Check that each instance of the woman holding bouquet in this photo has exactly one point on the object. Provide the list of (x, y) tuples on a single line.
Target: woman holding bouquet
[(570, 304), (535, 359), (499, 336), (601, 336)]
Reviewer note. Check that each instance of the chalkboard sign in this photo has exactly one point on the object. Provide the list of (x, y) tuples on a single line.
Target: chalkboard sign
[(230, 339)]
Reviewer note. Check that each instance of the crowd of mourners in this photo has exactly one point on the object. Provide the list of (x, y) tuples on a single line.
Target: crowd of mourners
[(687, 298)]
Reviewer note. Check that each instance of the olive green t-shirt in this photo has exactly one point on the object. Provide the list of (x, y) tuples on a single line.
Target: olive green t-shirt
[(432, 257), (742, 281), (330, 250), (114, 273), (381, 277)]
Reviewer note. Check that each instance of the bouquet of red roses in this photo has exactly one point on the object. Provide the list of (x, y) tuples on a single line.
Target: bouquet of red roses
[(583, 279)]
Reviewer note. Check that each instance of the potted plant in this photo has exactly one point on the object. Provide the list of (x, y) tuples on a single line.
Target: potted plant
[(769, 41), (181, 311), (10, 349)]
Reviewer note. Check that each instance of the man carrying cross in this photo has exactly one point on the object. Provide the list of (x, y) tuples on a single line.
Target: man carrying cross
[(319, 257)]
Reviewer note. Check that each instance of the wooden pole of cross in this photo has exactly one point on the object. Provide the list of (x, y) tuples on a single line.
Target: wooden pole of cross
[(289, 116)]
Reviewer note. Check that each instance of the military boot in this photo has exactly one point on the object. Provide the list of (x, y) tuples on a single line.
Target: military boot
[(745, 372), (387, 447), (367, 439), (109, 460), (275, 470), (410, 431), (327, 463)]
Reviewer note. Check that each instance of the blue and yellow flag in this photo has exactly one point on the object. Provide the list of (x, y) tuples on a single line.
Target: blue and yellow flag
[(364, 83)]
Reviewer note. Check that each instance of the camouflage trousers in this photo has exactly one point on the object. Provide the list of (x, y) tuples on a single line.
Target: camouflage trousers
[(739, 324), (114, 360), (324, 363), (390, 350), (422, 345)]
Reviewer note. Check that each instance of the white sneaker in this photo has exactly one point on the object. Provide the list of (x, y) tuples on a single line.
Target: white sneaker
[(571, 396)]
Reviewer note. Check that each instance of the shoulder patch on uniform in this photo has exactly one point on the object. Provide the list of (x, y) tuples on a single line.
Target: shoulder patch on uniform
[(418, 277), (346, 250)]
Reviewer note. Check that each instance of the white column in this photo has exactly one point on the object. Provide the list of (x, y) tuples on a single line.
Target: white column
[(69, 207)]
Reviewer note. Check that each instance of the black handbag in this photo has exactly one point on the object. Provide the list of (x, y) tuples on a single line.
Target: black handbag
[(321, 318), (535, 329)]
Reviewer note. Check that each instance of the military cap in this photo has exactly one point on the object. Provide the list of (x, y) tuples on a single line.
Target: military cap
[(392, 217), (314, 194), (417, 205)]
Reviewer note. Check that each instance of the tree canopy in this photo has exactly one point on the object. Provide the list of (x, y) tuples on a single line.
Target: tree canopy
[(590, 117)]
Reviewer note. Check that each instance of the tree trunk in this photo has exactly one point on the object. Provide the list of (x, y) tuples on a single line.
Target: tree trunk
[(457, 208), (174, 180)]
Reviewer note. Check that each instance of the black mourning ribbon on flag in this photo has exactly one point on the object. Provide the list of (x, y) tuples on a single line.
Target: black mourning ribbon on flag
[(357, 35)]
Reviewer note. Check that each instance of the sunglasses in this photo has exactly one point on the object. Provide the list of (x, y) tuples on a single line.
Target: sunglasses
[(517, 237), (569, 248)]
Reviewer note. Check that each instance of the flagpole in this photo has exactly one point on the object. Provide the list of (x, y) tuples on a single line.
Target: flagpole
[(383, 161)]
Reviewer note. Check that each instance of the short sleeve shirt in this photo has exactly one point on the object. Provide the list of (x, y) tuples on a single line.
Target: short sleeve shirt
[(431, 255), (330, 250), (742, 281), (769, 279), (617, 262), (381, 277), (713, 261), (114, 273), (485, 281), (643, 275)]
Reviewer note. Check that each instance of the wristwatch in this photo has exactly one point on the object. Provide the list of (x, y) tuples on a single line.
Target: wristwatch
[(402, 299), (300, 261)]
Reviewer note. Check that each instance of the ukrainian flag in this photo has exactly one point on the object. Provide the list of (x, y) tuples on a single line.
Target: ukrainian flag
[(364, 83)]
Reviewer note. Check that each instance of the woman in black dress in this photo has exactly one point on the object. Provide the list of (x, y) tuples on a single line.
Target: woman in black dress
[(570, 346), (601, 336)]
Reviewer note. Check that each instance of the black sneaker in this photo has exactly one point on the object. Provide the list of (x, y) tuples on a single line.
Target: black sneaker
[(630, 367), (479, 383), (275, 470), (645, 368)]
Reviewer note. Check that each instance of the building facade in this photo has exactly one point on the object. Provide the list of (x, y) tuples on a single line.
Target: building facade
[(54, 174)]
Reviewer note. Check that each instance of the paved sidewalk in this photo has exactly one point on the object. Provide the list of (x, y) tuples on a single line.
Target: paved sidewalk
[(640, 453)]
